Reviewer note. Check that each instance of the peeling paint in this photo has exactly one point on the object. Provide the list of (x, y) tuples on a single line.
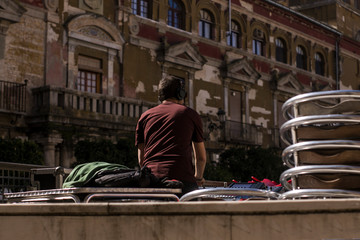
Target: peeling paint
[(155, 88), (343, 87), (153, 55), (252, 94), (246, 5), (140, 87), (201, 100), (52, 35), (260, 110), (209, 74), (261, 122)]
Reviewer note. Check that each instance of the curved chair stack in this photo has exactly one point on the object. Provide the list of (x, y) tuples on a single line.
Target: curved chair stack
[(323, 156)]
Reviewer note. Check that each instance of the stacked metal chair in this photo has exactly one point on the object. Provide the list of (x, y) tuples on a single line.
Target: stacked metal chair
[(323, 156)]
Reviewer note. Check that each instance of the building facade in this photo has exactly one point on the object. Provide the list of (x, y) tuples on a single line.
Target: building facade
[(86, 69)]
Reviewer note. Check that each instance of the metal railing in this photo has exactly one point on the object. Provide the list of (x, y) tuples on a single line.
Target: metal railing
[(243, 132), (13, 96), (14, 177)]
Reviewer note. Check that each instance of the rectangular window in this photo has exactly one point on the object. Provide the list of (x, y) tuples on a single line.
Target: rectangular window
[(141, 8), (88, 81), (258, 47), (357, 4), (89, 74), (234, 39)]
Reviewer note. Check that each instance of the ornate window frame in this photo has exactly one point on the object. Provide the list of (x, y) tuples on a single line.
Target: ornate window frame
[(97, 33)]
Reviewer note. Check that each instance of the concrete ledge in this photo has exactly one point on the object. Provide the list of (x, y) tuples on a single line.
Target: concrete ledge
[(298, 219)]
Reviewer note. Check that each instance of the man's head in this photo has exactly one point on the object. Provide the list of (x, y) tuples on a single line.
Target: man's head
[(171, 88)]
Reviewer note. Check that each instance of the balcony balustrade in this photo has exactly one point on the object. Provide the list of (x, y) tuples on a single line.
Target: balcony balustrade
[(72, 104), (243, 132)]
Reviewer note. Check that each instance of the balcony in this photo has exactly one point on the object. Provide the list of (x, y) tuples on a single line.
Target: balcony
[(232, 132), (68, 106), (243, 133), (12, 97)]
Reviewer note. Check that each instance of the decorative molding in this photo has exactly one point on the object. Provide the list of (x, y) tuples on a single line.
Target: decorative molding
[(134, 25), (11, 11), (95, 32), (95, 29), (184, 54), (241, 70), (52, 5), (96, 6), (288, 83)]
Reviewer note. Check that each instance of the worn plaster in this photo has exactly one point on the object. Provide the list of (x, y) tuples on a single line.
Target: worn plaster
[(252, 94), (344, 87), (209, 74), (201, 103), (260, 110), (52, 35), (246, 5), (261, 121), (153, 55), (155, 88), (140, 87)]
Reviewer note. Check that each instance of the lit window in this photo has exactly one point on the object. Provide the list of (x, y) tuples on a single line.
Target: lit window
[(234, 37), (319, 64), (281, 51), (258, 42), (206, 24), (141, 8), (301, 58), (175, 14)]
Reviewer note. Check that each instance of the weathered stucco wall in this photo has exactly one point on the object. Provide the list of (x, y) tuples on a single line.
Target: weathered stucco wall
[(142, 73), (24, 53)]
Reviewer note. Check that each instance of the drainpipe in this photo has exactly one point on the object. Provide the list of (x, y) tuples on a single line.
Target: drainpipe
[(229, 32), (337, 70)]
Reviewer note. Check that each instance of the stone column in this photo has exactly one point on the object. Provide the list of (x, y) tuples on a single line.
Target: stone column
[(110, 85), (49, 143), (72, 69), (247, 106)]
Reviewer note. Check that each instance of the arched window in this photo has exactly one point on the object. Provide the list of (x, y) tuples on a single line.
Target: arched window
[(141, 8), (206, 24), (258, 42), (301, 58), (319, 64), (281, 50), (233, 38), (176, 14)]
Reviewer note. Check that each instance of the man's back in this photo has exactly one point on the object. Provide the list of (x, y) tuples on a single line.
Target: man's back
[(167, 132)]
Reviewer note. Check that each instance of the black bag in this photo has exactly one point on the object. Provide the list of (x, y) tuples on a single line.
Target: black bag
[(131, 178), (125, 178)]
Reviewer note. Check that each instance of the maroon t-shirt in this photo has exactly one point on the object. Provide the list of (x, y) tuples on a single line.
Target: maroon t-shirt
[(167, 132)]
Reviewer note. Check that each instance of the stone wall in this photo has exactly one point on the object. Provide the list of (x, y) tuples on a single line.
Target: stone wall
[(291, 219)]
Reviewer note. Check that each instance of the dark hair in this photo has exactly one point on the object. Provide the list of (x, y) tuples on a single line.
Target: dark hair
[(171, 87)]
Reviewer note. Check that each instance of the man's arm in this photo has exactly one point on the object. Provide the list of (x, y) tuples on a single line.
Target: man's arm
[(200, 161), (141, 154)]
